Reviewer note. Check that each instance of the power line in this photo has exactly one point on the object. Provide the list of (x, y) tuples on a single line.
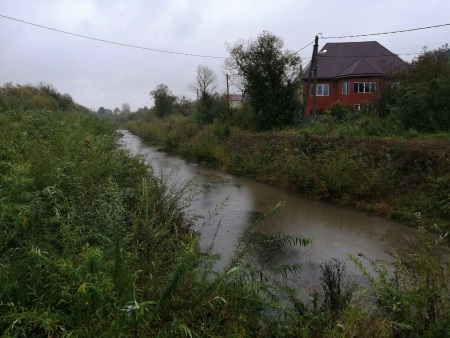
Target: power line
[(211, 56), (383, 33), (113, 42), (309, 44)]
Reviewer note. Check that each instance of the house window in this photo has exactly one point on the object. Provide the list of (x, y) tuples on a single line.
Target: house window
[(322, 89), (345, 88), (364, 87)]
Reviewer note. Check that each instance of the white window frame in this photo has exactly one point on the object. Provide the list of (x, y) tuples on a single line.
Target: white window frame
[(323, 89), (364, 87), (345, 88)]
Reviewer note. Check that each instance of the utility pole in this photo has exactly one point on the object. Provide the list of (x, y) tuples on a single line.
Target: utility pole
[(228, 88), (315, 56), (308, 84)]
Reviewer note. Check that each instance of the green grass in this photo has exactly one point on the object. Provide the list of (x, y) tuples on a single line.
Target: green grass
[(92, 244)]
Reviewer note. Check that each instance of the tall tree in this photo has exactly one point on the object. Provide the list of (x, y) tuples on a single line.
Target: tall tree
[(271, 78), (163, 100), (126, 109), (205, 82), (101, 111), (422, 98)]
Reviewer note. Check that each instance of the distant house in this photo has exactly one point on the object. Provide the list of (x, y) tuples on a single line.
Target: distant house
[(235, 100), (349, 72)]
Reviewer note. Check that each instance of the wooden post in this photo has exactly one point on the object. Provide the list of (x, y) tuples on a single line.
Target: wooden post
[(308, 84), (315, 52)]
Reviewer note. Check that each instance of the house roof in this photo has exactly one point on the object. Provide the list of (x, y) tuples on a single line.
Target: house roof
[(235, 97), (354, 59)]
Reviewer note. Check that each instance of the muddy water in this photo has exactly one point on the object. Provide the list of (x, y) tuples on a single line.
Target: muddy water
[(335, 231)]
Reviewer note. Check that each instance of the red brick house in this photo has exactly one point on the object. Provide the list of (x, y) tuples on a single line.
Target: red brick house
[(349, 72)]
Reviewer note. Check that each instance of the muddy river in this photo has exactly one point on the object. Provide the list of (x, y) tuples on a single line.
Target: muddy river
[(227, 204)]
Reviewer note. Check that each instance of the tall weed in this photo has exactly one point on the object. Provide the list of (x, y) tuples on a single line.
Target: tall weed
[(413, 291)]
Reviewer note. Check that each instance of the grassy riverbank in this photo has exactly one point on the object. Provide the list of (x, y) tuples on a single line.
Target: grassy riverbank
[(403, 179), (92, 244)]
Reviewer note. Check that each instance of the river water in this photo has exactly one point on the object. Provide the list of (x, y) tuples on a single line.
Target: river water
[(335, 231)]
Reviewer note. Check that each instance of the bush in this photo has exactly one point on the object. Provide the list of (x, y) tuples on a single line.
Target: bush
[(374, 125), (204, 148), (213, 107), (413, 291), (42, 96), (340, 111), (421, 97)]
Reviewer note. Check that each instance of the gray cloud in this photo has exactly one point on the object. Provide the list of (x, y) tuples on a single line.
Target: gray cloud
[(100, 74)]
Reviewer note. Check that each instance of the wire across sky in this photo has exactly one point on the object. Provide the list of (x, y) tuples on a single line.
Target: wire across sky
[(209, 56)]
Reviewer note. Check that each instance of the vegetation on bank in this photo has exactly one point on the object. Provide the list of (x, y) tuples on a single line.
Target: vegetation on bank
[(407, 180), (42, 96), (391, 157), (93, 244)]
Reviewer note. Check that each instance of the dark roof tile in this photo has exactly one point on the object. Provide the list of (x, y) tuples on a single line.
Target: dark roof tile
[(354, 59)]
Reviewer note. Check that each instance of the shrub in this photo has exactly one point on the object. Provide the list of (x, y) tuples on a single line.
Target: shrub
[(213, 107), (204, 148), (340, 110), (420, 97), (412, 292)]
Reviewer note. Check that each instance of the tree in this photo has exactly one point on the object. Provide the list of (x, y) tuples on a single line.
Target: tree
[(215, 106), (271, 79), (421, 99), (101, 111), (116, 111), (205, 83), (183, 105), (126, 108), (238, 82), (163, 100)]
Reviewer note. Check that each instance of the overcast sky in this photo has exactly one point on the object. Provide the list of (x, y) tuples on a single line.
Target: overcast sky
[(100, 74)]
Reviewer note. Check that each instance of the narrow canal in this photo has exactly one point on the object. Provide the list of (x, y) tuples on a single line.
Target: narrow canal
[(335, 231)]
